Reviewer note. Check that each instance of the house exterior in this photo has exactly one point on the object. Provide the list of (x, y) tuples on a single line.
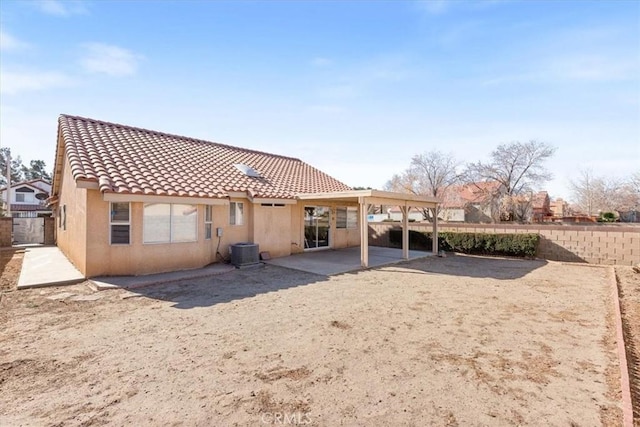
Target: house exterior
[(132, 201), (476, 202), (395, 214), (559, 208), (541, 207), (28, 199)]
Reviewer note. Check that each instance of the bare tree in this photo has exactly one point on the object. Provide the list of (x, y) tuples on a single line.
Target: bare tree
[(429, 174), (593, 194), (588, 192), (518, 167)]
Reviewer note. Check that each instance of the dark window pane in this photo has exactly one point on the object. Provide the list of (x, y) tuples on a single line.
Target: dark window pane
[(119, 234)]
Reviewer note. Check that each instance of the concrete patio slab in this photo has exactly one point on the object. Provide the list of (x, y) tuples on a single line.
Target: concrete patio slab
[(47, 266), (337, 261)]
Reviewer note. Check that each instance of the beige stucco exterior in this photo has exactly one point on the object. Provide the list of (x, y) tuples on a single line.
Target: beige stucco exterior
[(278, 230), (71, 215)]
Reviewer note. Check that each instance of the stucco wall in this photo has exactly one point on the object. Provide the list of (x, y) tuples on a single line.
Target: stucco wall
[(72, 239), (595, 244), (142, 258), (279, 230), (271, 225), (6, 225)]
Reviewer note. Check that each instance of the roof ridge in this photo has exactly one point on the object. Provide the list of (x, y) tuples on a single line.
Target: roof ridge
[(173, 135)]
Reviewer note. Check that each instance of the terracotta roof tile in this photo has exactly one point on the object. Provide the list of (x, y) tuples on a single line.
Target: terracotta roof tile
[(123, 159)]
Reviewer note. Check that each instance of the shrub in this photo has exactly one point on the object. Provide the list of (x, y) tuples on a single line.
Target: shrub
[(607, 217), (520, 245)]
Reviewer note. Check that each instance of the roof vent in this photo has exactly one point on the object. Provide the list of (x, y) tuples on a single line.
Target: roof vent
[(247, 170)]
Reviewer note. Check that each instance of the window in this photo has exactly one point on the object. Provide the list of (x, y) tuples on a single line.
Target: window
[(347, 217), (236, 213), (63, 217), (20, 197), (208, 219), (166, 223), (272, 205), (119, 223)]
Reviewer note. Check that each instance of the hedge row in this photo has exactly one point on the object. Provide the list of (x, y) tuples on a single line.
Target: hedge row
[(520, 245)]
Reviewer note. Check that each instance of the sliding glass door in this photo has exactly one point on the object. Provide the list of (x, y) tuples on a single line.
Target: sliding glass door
[(317, 220)]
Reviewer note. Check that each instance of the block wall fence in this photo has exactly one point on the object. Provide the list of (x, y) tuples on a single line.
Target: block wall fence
[(5, 232), (6, 225), (593, 244)]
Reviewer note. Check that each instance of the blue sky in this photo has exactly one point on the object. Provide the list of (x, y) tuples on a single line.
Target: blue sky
[(353, 88)]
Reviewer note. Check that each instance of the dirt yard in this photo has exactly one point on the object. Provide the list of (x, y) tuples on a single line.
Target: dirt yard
[(443, 341), (10, 264)]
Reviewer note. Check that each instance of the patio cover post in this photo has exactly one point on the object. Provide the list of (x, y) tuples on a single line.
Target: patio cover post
[(405, 231), (434, 244), (364, 233)]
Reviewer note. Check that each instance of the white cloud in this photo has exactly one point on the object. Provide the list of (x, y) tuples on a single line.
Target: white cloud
[(593, 68), (435, 7), (16, 82), (576, 68), (109, 59), (10, 43), (59, 8), (327, 109), (321, 62)]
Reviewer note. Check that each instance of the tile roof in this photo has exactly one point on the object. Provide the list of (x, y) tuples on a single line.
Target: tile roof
[(128, 160), (474, 193)]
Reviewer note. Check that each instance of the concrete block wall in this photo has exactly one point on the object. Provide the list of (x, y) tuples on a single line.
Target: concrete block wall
[(593, 244), (6, 225)]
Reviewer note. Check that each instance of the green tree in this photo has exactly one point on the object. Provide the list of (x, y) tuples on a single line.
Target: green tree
[(16, 167), (36, 171)]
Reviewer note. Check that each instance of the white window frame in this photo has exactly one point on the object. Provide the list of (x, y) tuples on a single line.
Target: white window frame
[(171, 225), (208, 222), (234, 207), (348, 225), (111, 222)]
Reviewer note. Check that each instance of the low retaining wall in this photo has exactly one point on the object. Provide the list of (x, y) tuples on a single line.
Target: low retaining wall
[(594, 244)]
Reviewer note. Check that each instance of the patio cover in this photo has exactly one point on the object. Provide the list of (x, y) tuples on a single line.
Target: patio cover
[(365, 198)]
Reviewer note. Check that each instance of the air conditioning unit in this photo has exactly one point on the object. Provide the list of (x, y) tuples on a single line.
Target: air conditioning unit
[(245, 255)]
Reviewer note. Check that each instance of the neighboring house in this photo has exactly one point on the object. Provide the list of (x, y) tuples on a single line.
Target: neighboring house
[(136, 201), (559, 208), (631, 215), (541, 207), (477, 202), (28, 199), (395, 214)]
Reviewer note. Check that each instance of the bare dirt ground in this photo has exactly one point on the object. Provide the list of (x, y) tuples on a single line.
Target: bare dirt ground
[(629, 292), (443, 341), (10, 264)]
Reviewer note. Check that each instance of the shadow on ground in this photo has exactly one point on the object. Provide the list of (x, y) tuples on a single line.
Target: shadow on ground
[(228, 287), (468, 266), (240, 284)]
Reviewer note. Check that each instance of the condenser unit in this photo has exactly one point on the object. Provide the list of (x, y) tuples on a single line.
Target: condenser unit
[(245, 254)]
